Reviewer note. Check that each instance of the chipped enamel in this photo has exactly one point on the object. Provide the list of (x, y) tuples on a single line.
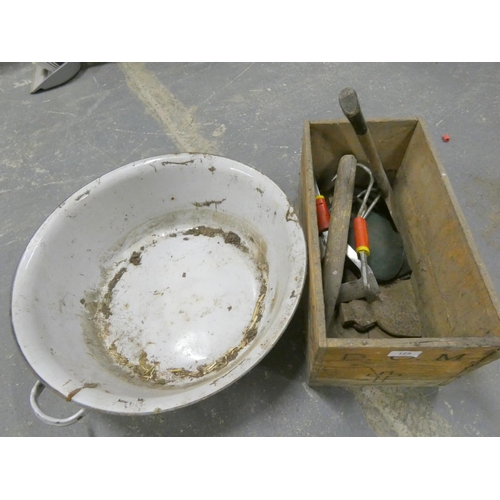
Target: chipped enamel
[(159, 284)]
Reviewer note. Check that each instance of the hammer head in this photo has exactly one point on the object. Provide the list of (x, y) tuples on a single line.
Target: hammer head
[(353, 290)]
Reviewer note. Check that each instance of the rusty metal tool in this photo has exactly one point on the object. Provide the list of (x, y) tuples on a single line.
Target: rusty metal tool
[(357, 289), (351, 108)]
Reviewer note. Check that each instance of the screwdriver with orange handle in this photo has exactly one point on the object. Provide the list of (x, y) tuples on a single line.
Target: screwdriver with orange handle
[(323, 215), (362, 243), (361, 239), (321, 210)]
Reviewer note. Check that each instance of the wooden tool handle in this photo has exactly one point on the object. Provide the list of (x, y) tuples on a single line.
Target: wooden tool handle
[(333, 265), (349, 103)]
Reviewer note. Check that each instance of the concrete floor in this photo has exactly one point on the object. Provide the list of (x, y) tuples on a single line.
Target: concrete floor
[(55, 142)]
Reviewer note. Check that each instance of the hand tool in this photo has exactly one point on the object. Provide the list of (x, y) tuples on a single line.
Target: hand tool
[(323, 216), (362, 242), (356, 289), (387, 254), (334, 260), (367, 287), (349, 103)]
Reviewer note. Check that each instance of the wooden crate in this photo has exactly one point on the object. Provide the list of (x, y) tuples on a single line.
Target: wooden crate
[(459, 312)]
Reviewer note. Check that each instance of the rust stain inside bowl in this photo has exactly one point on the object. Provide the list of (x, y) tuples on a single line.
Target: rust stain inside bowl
[(249, 334), (178, 305)]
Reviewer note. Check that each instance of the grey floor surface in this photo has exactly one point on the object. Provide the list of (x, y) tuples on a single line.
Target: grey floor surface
[(54, 142)]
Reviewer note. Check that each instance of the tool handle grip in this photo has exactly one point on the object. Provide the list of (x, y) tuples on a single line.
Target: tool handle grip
[(348, 100), (322, 213), (361, 236)]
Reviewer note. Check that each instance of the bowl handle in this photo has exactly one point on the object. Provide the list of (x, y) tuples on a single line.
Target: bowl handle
[(60, 422)]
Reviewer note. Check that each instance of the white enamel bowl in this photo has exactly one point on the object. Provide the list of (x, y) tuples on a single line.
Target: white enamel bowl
[(158, 284)]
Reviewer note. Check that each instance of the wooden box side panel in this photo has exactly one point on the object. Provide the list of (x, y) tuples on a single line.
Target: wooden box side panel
[(374, 365), (453, 291), (316, 336), (332, 140)]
